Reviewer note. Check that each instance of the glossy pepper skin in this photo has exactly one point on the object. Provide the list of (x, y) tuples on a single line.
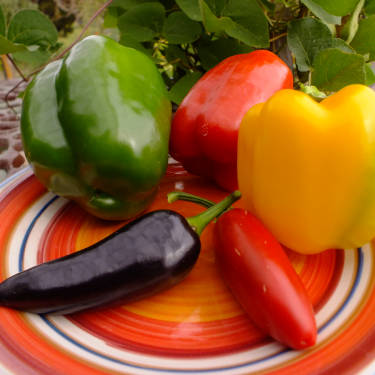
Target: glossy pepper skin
[(260, 276), (306, 169), (204, 130), (262, 279), (147, 255), (95, 128), (152, 253)]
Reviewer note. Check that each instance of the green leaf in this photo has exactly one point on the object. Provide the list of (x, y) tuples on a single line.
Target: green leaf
[(337, 7), (216, 6), (242, 20), (32, 27), (2, 22), (180, 29), (351, 27), (306, 37), (168, 4), (174, 54), (270, 7), (6, 46), (110, 18), (128, 41), (364, 41), (128, 4), (247, 22), (191, 8), (182, 87), (212, 53), (326, 17), (333, 69), (341, 45), (370, 75), (142, 22), (33, 59), (370, 7), (212, 23), (55, 47)]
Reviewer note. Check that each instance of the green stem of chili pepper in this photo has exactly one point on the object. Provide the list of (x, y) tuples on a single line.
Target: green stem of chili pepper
[(200, 221), (182, 196)]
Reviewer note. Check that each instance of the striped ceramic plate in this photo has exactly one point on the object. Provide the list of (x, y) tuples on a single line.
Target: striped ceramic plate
[(195, 327)]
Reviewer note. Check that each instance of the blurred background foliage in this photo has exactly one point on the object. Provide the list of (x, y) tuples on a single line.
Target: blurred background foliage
[(69, 17), (329, 44)]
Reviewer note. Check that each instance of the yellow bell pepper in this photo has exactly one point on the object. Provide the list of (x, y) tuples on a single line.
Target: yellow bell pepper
[(307, 169)]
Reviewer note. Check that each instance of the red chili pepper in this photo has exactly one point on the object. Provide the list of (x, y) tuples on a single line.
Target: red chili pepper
[(263, 280), (205, 127), (260, 275)]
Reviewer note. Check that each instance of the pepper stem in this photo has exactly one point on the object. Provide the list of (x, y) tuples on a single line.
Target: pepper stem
[(182, 196), (313, 91), (200, 221)]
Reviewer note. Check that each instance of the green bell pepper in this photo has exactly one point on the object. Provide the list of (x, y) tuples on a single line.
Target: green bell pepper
[(95, 128)]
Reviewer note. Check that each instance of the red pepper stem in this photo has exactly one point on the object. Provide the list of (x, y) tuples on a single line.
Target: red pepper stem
[(182, 196), (200, 221)]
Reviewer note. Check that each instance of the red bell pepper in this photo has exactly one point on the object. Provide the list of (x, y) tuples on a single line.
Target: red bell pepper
[(263, 280), (205, 127)]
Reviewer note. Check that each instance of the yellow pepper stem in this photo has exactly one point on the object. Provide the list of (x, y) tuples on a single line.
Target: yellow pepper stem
[(313, 91)]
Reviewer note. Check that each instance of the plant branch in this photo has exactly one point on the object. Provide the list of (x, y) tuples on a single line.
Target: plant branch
[(59, 56), (91, 20), (15, 66), (6, 98), (62, 53), (278, 37)]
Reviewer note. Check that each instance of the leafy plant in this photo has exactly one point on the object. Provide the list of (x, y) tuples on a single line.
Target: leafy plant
[(329, 43), (29, 36)]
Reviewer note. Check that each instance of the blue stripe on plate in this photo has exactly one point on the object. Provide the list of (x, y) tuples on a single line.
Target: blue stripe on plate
[(178, 371)]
